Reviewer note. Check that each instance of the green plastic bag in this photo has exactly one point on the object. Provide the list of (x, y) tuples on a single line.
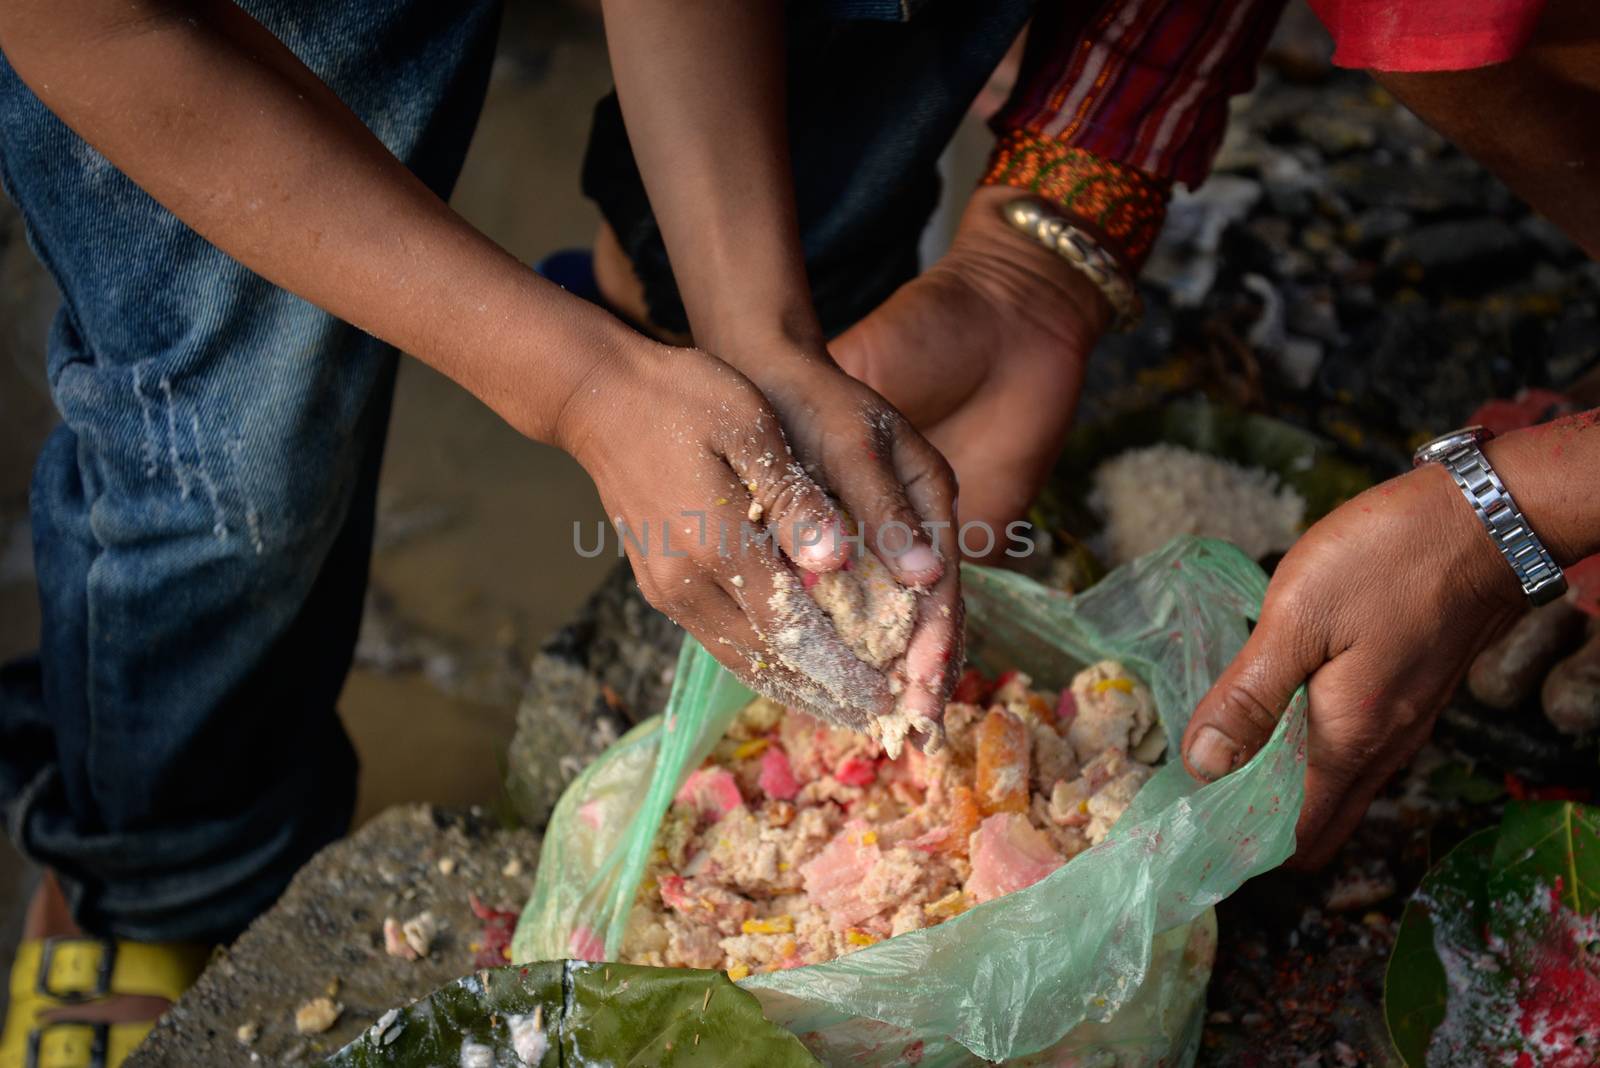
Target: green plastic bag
[(1105, 961)]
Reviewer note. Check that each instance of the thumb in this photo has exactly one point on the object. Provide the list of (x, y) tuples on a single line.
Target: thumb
[(1238, 715)]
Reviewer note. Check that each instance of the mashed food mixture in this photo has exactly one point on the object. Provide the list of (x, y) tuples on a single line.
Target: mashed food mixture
[(797, 842)]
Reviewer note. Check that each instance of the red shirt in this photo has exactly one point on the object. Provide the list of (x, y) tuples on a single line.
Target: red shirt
[(1146, 82), (1424, 35)]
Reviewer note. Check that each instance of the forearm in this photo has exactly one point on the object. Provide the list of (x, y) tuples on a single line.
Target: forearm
[(1553, 471), (1530, 120), (220, 123), (701, 85)]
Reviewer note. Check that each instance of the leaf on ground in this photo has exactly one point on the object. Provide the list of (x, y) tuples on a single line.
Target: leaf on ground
[(1494, 962), (1414, 986), (1541, 841), (570, 1014)]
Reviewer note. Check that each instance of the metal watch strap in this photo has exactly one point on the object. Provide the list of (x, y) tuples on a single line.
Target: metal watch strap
[(1541, 577)]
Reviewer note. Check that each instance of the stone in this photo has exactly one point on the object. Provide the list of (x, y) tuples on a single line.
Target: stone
[(1298, 360), (1340, 130), (325, 931), (1466, 255), (1574, 346), (1310, 312), (1371, 230), (1198, 219), (1433, 189), (1553, 245)]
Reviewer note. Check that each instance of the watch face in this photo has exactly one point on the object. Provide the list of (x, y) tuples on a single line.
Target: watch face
[(1445, 444)]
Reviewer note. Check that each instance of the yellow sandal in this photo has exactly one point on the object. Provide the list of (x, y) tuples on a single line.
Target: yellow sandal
[(56, 973)]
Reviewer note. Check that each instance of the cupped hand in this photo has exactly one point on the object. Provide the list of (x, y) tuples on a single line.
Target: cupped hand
[(899, 494), (1382, 606), (698, 478), (984, 353)]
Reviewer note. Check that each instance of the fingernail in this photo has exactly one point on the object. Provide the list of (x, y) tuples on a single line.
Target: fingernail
[(821, 550), (1212, 754), (918, 560)]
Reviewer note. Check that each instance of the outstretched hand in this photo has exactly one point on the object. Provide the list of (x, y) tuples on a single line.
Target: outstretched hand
[(1382, 606)]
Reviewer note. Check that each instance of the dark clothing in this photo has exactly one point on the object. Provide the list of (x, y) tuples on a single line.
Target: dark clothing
[(872, 104)]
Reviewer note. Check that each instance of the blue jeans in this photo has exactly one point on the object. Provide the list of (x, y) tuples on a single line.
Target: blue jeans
[(203, 516)]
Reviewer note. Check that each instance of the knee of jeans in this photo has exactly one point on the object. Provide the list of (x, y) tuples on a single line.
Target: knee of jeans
[(265, 470)]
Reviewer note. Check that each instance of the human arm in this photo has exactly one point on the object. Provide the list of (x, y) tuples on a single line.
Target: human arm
[(1382, 606), (219, 122), (1384, 603), (702, 90), (209, 113), (1113, 103)]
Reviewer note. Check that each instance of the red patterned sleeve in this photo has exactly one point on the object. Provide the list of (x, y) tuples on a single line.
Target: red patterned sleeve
[(1119, 100)]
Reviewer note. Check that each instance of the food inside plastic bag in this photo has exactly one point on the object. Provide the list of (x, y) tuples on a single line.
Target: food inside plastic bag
[(797, 842), (1102, 961)]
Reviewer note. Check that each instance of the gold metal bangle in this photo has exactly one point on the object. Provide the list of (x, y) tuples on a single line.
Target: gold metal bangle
[(1037, 219)]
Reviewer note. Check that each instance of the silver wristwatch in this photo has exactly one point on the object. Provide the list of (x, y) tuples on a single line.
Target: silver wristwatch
[(1508, 528)]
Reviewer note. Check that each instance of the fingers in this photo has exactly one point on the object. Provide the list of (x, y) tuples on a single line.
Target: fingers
[(798, 636), (798, 657), (1369, 716), (784, 500), (875, 485), (1235, 719), (723, 628), (935, 654)]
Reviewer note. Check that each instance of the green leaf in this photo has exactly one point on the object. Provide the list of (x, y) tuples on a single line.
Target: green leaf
[(590, 1014), (1506, 907), (1414, 986), (1551, 843)]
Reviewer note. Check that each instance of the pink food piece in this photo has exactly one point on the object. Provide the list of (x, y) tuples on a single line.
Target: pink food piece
[(590, 813), (586, 945), (1501, 416), (834, 876), (777, 777), (494, 941), (673, 893), (1066, 707), (1008, 854), (930, 841), (910, 768), (712, 791), (856, 771), (394, 941), (808, 579)]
